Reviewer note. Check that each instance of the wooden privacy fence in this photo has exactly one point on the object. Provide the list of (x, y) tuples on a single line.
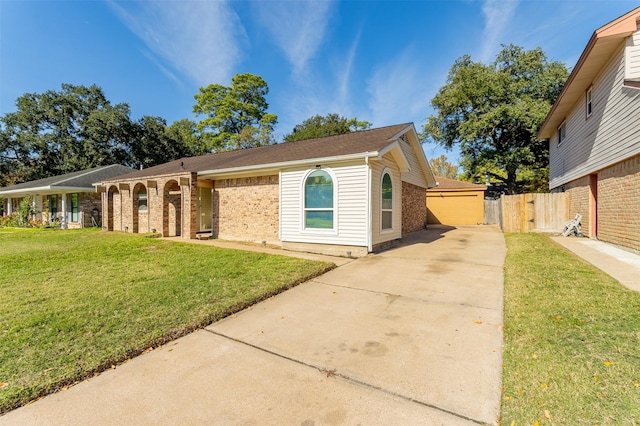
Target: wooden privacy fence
[(529, 212)]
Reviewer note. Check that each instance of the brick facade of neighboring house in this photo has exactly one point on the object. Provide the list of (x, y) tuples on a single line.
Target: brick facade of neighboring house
[(246, 208), (414, 208), (70, 199), (578, 191), (594, 134), (619, 204)]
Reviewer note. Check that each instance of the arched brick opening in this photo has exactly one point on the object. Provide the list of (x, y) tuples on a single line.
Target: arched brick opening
[(140, 206), (172, 210), (113, 190)]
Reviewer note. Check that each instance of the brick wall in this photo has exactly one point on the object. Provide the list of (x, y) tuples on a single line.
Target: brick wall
[(246, 208), (88, 202), (578, 191), (619, 204), (414, 208), (171, 205)]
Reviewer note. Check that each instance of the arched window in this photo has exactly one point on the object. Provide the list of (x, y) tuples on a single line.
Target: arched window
[(142, 200), (387, 202), (318, 200)]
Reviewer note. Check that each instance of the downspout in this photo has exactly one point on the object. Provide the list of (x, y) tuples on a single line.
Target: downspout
[(280, 206), (369, 204)]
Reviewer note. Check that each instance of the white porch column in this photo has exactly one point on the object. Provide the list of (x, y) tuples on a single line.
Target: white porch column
[(9, 206), (63, 220)]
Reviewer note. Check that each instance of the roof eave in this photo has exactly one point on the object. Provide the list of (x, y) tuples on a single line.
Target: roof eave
[(619, 29), (50, 189), (286, 164)]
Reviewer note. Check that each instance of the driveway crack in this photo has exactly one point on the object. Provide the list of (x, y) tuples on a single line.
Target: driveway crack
[(395, 295), (335, 373)]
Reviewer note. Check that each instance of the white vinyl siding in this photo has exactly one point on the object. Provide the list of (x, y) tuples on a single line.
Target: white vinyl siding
[(415, 175), (377, 168), (632, 57), (350, 211), (610, 135)]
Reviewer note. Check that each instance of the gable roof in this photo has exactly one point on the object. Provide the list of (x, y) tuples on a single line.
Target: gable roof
[(81, 181), (446, 183), (604, 41), (356, 144)]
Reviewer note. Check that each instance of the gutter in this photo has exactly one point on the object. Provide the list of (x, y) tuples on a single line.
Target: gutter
[(53, 189)]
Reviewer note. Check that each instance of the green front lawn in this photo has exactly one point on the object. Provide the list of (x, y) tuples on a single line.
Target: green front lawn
[(572, 340), (73, 303)]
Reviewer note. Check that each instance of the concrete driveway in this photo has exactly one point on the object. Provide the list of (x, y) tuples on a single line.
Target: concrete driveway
[(412, 335)]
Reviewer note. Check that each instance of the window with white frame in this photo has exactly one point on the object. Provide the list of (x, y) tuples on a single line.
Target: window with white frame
[(589, 101), (562, 132), (318, 201), (386, 203)]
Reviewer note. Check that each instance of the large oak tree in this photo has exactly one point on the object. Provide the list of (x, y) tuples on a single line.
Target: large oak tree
[(76, 128), (493, 112)]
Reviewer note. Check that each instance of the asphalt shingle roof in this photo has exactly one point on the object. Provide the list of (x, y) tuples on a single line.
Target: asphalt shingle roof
[(80, 179), (446, 183), (331, 146)]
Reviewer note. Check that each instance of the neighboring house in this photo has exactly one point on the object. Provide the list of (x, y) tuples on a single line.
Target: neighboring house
[(453, 202), (70, 199), (346, 194), (594, 134)]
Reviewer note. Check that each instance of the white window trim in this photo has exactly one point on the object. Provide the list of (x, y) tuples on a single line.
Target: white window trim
[(387, 171), (589, 102), (560, 127), (319, 231)]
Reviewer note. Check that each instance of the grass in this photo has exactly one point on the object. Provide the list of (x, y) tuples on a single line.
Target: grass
[(572, 340), (72, 303)]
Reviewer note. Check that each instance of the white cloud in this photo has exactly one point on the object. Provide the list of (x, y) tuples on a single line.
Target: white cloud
[(497, 14), (399, 92), (298, 28), (201, 39), (345, 77)]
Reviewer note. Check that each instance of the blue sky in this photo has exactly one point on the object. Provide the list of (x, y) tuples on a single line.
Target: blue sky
[(380, 61)]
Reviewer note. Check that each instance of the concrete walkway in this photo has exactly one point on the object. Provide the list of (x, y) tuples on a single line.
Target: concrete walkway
[(623, 265), (412, 335)]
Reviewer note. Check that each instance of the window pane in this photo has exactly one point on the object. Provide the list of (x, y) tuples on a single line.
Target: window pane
[(318, 191), (322, 220), (387, 192), (72, 208), (387, 220), (142, 201)]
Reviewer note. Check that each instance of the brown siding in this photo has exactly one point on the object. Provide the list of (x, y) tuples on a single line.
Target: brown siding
[(246, 208), (414, 208)]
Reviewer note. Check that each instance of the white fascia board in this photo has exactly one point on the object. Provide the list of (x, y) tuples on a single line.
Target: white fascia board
[(286, 164), (403, 131), (396, 151), (45, 190)]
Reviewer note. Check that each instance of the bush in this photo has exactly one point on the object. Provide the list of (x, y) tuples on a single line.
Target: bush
[(9, 221)]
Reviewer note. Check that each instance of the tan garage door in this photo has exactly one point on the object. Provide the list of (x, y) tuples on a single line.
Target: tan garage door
[(454, 209)]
